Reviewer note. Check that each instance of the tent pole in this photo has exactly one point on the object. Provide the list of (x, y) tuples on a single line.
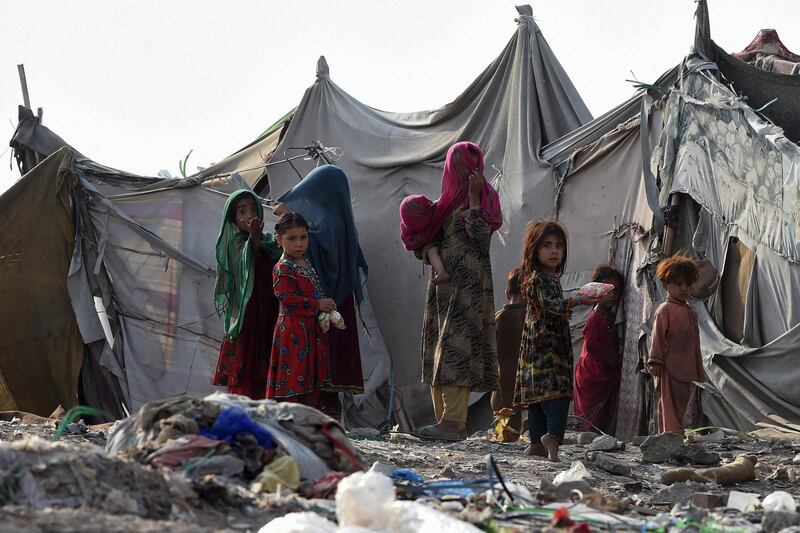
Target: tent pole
[(30, 157), (669, 231)]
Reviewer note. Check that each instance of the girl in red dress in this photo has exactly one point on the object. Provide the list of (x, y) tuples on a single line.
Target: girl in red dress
[(243, 293), (598, 370), (300, 363)]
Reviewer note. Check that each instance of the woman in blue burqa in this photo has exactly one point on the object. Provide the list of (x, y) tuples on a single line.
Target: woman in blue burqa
[(323, 198)]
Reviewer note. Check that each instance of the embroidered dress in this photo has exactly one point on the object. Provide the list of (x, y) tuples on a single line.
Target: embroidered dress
[(300, 362), (544, 371), (598, 372)]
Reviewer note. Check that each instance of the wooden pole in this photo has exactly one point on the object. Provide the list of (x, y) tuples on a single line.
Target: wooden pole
[(30, 157), (24, 82), (669, 232)]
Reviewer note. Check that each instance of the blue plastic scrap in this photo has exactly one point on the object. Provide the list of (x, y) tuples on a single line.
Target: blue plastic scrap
[(404, 474), (232, 421)]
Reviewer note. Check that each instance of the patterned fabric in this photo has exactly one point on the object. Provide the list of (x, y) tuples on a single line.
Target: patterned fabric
[(544, 371), (244, 361), (458, 338), (300, 362)]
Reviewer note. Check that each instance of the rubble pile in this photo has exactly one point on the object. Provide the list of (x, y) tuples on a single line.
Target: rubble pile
[(228, 463)]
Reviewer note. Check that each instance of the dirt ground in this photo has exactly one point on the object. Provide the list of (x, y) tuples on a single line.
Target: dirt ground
[(89, 491)]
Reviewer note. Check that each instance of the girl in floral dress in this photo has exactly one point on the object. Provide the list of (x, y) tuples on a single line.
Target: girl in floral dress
[(300, 363)]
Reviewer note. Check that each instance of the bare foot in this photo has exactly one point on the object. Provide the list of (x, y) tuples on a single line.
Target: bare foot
[(551, 444), (536, 449), (444, 277)]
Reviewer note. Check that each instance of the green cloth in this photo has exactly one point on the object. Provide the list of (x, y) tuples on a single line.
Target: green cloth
[(235, 273)]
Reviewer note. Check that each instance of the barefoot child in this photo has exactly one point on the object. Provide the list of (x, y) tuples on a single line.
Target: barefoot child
[(300, 363), (675, 360), (243, 292), (544, 371), (598, 371)]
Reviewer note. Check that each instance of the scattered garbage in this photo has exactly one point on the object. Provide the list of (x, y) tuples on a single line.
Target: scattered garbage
[(743, 501), (779, 501), (576, 472)]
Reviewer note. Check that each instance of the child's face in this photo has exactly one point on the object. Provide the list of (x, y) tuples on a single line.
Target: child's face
[(294, 242), (551, 253), (245, 212), (679, 290)]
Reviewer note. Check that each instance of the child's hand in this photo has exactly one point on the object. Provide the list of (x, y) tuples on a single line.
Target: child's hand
[(326, 305), (475, 184), (590, 300), (654, 369), (609, 300), (256, 228)]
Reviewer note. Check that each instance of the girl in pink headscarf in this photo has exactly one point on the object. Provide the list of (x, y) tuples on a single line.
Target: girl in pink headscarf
[(421, 220), (459, 354)]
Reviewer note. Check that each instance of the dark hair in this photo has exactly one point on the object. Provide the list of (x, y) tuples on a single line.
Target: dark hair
[(290, 220), (514, 277), (676, 269), (605, 273), (535, 234)]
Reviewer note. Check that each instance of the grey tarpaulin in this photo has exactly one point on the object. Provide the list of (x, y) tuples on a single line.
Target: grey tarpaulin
[(520, 102)]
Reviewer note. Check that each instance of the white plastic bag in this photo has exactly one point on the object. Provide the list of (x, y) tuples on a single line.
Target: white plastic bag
[(576, 472), (299, 523), (362, 498), (779, 501)]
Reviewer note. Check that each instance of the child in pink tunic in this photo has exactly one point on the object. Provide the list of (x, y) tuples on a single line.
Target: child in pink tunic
[(675, 360)]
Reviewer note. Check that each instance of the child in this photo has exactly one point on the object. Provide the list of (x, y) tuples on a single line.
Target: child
[(598, 370), (509, 322), (243, 292), (675, 359), (415, 213), (300, 363), (544, 371)]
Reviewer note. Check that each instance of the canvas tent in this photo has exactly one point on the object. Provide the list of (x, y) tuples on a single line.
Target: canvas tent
[(693, 162), (519, 103), (144, 246)]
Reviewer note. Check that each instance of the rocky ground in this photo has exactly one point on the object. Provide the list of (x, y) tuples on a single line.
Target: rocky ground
[(86, 490)]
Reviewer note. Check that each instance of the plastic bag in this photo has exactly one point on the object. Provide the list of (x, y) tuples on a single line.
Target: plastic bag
[(779, 501), (299, 523), (362, 498), (595, 289), (576, 472), (282, 472)]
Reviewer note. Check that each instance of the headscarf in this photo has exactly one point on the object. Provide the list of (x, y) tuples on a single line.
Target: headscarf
[(323, 198), (235, 273), (421, 219)]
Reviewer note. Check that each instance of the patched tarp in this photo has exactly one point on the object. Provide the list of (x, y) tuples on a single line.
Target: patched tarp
[(521, 102), (41, 349)]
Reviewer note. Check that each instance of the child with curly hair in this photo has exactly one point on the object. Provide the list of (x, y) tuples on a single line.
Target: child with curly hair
[(675, 360)]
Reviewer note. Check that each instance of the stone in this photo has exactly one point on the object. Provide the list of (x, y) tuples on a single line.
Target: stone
[(605, 443), (676, 493), (775, 521), (709, 500), (611, 464), (633, 487), (586, 437), (796, 459), (447, 472), (695, 454), (659, 448), (638, 440)]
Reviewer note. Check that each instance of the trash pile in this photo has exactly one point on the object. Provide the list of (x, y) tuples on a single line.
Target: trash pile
[(228, 463)]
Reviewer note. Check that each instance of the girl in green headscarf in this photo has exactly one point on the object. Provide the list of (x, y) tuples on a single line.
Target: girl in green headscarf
[(243, 293)]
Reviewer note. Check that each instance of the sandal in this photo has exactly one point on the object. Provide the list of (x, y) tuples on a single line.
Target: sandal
[(433, 432)]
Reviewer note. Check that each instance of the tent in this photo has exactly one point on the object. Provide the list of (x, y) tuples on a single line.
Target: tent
[(140, 249), (703, 161)]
